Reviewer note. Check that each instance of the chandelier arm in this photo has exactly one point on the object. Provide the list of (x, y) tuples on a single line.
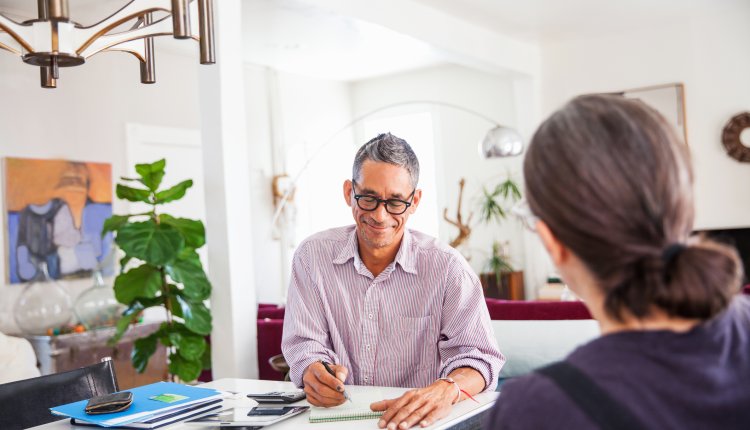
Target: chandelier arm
[(148, 65), (137, 24), (136, 8), (8, 43), (134, 47), (19, 32), (163, 27), (206, 31)]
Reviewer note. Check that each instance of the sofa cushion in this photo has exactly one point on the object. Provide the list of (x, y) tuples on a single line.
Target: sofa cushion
[(529, 344)]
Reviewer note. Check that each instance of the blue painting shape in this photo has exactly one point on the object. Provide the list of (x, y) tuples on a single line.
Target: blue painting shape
[(90, 251), (92, 244), (13, 244)]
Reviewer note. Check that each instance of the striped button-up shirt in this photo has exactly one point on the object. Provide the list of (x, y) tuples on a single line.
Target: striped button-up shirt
[(418, 320)]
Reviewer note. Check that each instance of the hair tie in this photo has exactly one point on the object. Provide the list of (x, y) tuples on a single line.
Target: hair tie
[(671, 252)]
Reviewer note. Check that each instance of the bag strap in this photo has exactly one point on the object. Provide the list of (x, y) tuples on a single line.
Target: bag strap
[(603, 410)]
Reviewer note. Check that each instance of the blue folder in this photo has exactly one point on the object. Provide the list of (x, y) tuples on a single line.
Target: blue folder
[(143, 406)]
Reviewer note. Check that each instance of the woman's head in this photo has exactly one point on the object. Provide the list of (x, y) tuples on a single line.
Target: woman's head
[(613, 183)]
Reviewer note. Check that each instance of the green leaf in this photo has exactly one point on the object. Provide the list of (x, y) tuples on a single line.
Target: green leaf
[(151, 242), (151, 174), (192, 230), (175, 193), (128, 317), (164, 332), (174, 305), (124, 262), (186, 370), (491, 209), (133, 194), (143, 281), (189, 272), (143, 349), (197, 317), (206, 358), (190, 346), (114, 223)]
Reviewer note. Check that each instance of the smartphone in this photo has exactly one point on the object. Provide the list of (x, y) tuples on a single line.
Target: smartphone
[(260, 416), (278, 396)]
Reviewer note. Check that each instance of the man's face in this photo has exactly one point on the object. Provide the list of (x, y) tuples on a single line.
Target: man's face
[(378, 228)]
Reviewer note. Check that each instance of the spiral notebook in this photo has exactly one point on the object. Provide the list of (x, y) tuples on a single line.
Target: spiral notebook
[(359, 410)]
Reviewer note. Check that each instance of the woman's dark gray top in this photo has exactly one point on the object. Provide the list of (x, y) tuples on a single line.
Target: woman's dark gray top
[(699, 379)]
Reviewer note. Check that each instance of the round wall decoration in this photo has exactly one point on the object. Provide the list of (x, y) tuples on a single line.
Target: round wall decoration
[(730, 137)]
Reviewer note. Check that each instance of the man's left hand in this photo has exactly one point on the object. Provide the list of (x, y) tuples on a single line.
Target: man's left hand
[(422, 406)]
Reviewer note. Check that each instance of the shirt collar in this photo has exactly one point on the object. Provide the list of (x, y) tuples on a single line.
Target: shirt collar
[(349, 250), (405, 256)]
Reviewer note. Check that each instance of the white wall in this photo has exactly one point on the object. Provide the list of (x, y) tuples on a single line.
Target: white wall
[(708, 52), (84, 119), (290, 119), (457, 135)]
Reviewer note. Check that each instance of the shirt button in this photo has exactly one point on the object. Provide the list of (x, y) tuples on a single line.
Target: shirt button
[(368, 347), (365, 378), (369, 316)]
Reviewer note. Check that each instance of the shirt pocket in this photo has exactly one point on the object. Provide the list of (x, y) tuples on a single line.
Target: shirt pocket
[(412, 342)]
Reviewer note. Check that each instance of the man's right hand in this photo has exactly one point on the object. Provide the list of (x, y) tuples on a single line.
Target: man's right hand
[(321, 387)]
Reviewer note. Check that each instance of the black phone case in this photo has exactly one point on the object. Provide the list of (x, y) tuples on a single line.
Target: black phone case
[(109, 403)]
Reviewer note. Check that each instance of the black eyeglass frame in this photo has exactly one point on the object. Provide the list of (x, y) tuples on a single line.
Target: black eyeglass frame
[(382, 201)]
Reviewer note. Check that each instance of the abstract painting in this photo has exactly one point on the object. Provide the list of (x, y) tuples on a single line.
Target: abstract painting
[(55, 213)]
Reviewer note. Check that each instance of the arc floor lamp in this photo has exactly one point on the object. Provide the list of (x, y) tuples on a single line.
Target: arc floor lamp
[(498, 142)]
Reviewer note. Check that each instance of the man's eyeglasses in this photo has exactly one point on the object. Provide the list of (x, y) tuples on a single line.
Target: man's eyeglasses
[(522, 211), (392, 206)]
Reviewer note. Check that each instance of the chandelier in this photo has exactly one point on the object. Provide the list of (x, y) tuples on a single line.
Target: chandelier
[(53, 40)]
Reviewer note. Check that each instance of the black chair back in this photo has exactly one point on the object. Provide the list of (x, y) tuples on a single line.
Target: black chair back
[(26, 403)]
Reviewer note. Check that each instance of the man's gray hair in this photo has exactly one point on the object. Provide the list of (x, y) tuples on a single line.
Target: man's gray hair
[(387, 148)]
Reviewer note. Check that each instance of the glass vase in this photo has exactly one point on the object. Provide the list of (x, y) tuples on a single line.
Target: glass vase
[(97, 307), (43, 306)]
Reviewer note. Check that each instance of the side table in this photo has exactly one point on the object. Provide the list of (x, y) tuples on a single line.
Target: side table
[(73, 350)]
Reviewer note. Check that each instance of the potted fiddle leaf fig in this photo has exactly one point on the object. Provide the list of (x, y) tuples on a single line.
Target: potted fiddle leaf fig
[(161, 268)]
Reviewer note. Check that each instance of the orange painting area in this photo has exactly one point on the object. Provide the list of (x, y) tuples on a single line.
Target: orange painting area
[(32, 181)]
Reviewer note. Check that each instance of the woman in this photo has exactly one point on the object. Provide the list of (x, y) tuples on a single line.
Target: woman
[(610, 188)]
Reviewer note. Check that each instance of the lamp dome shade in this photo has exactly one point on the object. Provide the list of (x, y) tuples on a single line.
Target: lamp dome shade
[(501, 142)]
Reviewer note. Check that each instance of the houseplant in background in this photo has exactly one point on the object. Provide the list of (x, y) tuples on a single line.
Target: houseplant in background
[(500, 280), (161, 268)]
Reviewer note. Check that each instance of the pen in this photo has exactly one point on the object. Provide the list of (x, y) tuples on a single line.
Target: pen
[(328, 368)]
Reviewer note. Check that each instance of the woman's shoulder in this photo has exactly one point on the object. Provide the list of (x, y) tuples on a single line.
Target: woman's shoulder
[(533, 401), (739, 311), (733, 325)]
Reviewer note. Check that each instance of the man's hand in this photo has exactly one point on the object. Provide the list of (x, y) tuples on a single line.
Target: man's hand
[(422, 406), (321, 388)]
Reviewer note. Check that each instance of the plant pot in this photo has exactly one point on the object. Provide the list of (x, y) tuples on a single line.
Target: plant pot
[(510, 286)]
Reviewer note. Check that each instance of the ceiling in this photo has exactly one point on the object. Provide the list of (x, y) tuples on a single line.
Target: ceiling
[(293, 36), (290, 36), (545, 20)]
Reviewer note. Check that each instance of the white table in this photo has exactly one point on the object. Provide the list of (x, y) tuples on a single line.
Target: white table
[(460, 412)]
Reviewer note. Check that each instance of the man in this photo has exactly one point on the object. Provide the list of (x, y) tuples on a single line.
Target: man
[(388, 306)]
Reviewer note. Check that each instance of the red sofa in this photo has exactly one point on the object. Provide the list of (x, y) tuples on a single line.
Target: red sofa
[(271, 323), (521, 310)]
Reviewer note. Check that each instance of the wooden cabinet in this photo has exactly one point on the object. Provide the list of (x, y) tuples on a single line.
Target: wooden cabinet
[(70, 351), (510, 286)]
